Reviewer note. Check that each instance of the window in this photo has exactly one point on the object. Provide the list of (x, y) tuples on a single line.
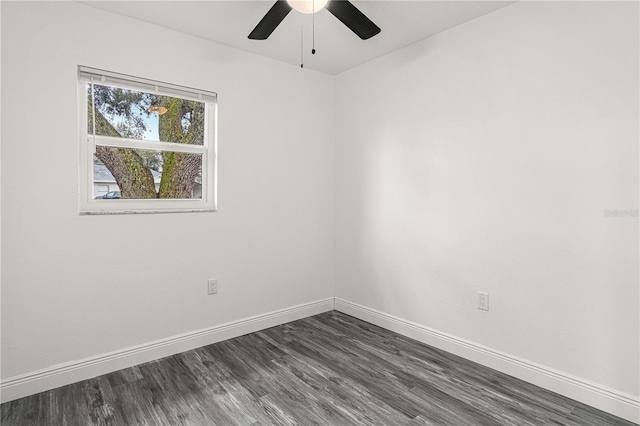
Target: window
[(151, 145)]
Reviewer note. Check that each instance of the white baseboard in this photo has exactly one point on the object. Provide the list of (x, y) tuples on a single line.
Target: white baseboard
[(612, 401), (75, 371)]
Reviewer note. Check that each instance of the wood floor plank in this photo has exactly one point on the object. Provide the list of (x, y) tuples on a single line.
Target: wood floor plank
[(343, 401), (329, 369)]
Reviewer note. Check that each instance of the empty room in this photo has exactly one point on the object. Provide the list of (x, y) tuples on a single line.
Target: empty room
[(320, 212)]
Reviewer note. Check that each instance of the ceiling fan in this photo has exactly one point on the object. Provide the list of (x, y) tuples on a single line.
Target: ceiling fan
[(346, 12)]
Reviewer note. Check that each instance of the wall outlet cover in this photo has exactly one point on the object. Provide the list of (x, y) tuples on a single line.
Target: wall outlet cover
[(483, 301), (212, 286)]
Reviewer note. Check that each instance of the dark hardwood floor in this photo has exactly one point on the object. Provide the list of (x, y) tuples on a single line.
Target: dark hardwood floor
[(330, 369)]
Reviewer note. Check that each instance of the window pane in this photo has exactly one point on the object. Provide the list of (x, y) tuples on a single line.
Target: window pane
[(138, 115), (146, 174)]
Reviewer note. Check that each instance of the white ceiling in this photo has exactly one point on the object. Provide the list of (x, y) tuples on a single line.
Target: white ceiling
[(337, 48)]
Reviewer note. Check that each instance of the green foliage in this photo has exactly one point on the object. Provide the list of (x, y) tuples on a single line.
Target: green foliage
[(124, 108), (150, 159)]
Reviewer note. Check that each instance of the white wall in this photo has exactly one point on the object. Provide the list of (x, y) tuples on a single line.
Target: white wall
[(270, 244), (483, 159)]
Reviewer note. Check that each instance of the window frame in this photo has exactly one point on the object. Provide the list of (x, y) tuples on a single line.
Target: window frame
[(88, 142)]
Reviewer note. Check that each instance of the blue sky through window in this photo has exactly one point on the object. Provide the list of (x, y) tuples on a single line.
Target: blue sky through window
[(151, 122)]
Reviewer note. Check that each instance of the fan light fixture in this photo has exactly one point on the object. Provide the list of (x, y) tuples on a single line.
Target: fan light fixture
[(307, 6)]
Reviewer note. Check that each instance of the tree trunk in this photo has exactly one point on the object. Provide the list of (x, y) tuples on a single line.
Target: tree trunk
[(179, 169)]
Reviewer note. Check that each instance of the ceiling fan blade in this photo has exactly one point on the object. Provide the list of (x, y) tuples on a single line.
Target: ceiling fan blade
[(270, 21), (355, 20)]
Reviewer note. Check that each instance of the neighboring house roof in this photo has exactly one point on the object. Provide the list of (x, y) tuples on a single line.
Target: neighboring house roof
[(102, 174)]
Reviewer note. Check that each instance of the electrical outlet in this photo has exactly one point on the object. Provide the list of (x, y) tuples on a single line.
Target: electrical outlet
[(483, 301), (212, 286)]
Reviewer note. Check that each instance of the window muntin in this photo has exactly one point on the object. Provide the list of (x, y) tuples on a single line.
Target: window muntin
[(156, 140)]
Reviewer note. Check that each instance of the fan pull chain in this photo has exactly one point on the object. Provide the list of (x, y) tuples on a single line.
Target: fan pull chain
[(301, 50), (313, 27)]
